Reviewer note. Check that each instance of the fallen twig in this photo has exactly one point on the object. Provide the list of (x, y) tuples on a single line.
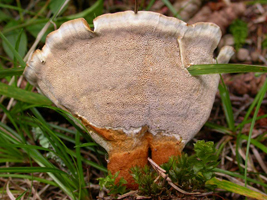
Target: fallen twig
[(131, 193)]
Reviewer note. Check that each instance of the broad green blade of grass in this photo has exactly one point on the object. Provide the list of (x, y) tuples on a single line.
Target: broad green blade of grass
[(12, 49), (262, 94), (11, 72), (30, 170), (227, 106), (196, 70), (23, 95), (232, 187), (233, 174)]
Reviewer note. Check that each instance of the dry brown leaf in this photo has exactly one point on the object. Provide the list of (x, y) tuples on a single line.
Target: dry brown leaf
[(242, 84), (187, 8), (223, 17)]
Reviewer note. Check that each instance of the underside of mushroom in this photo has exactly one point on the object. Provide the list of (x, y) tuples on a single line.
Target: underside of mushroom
[(128, 82)]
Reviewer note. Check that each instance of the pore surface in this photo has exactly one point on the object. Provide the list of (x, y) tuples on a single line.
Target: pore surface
[(129, 80)]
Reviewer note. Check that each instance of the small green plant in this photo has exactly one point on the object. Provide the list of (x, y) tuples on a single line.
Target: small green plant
[(191, 172), (145, 178), (239, 29), (109, 183)]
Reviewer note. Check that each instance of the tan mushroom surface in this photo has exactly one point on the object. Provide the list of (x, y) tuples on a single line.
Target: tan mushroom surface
[(128, 81)]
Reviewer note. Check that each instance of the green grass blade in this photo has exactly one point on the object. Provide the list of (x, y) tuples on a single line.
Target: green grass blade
[(249, 121), (91, 163), (227, 106), (232, 187), (62, 180), (60, 6), (23, 176), (21, 196), (11, 72), (27, 23), (197, 70), (89, 144), (26, 146), (23, 95), (256, 143), (16, 54), (261, 97), (82, 193), (30, 170), (233, 174), (8, 133), (170, 6), (251, 108), (59, 146), (151, 2), (84, 13), (56, 142), (11, 119), (15, 8), (4, 160), (219, 128)]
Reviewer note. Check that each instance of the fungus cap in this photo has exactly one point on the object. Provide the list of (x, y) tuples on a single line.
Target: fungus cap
[(130, 74)]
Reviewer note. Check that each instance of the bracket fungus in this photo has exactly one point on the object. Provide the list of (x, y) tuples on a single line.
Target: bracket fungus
[(128, 82)]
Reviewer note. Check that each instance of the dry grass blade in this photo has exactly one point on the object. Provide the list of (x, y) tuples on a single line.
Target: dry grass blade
[(234, 180), (243, 166), (143, 197), (131, 193), (35, 193), (10, 195), (259, 158)]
